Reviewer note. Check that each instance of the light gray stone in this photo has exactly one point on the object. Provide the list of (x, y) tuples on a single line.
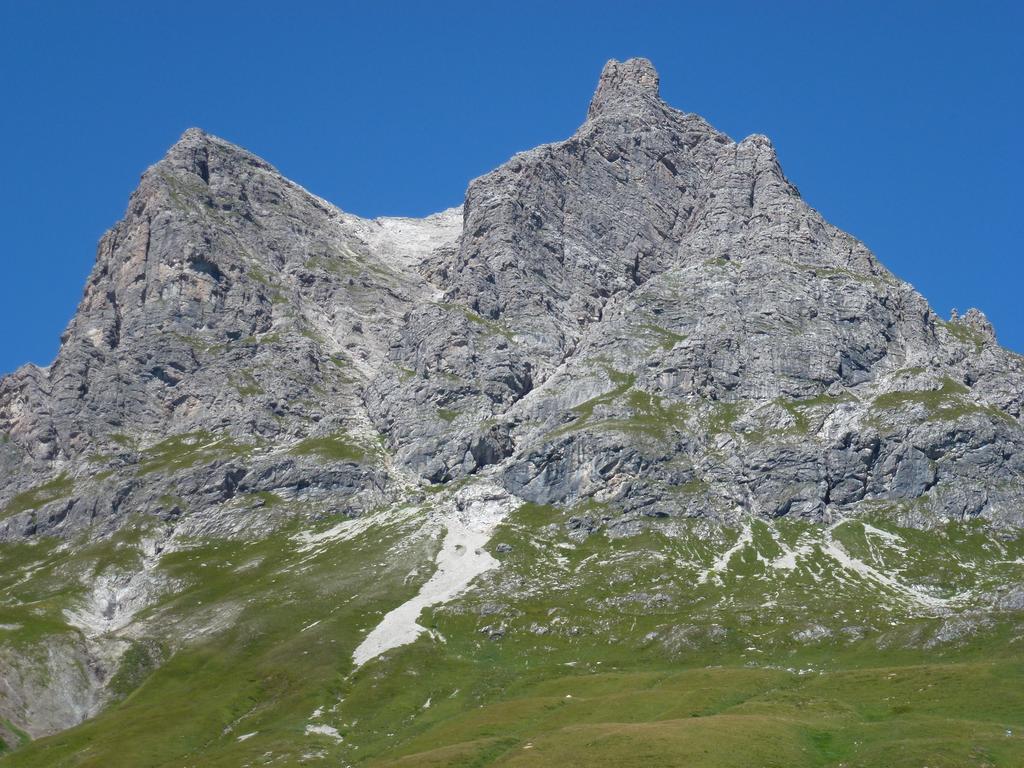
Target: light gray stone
[(646, 315)]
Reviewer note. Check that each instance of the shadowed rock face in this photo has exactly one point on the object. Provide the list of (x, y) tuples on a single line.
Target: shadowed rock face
[(646, 314)]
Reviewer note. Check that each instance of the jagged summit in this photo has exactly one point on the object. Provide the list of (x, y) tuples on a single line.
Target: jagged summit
[(191, 153), (200, 153), (624, 86), (192, 136)]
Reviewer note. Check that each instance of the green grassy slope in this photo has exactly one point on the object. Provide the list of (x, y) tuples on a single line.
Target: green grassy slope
[(678, 645)]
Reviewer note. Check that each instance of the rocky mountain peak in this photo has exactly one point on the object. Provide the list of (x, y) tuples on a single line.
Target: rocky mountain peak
[(191, 153), (630, 85), (974, 318), (644, 306), (202, 164)]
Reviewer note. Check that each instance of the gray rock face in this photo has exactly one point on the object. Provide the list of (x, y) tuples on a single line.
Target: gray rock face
[(646, 317), (55, 686), (234, 310)]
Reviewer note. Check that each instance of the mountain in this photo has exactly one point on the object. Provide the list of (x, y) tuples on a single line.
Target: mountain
[(631, 451)]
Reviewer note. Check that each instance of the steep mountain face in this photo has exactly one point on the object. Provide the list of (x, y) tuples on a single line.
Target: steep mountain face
[(234, 312), (643, 307), (655, 306), (641, 331)]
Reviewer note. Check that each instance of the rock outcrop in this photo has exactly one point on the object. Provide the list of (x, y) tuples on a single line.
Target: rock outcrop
[(646, 316)]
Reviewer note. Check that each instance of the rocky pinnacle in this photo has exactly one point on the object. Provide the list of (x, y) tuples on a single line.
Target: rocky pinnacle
[(629, 86)]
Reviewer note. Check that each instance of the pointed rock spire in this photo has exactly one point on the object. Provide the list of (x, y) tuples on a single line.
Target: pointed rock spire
[(631, 84)]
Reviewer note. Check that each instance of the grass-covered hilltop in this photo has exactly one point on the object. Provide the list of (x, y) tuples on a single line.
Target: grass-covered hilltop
[(632, 460)]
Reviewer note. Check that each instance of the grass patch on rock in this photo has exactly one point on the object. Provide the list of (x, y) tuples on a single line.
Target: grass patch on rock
[(947, 403), (60, 487), (336, 447), (187, 450)]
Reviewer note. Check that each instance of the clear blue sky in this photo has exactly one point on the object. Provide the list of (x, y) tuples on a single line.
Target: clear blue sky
[(900, 121)]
